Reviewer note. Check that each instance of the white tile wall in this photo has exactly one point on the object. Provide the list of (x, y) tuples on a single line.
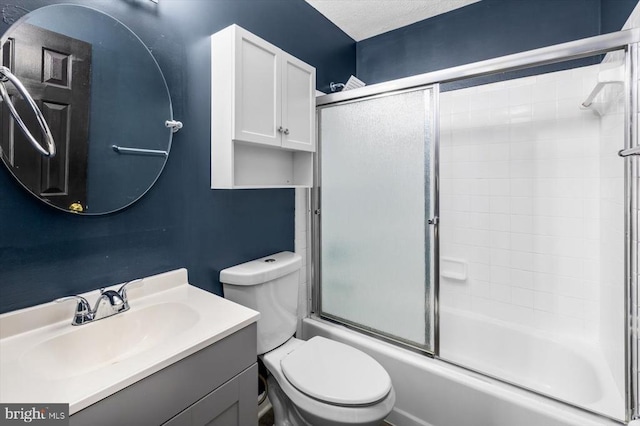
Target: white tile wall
[(612, 282), (520, 201)]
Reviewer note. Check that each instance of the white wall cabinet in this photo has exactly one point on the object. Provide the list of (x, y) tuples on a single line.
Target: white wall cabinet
[(262, 114)]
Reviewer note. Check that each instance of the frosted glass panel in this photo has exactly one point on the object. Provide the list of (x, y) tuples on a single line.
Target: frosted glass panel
[(375, 248)]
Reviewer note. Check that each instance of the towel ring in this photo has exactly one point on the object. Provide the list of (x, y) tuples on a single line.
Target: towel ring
[(7, 75)]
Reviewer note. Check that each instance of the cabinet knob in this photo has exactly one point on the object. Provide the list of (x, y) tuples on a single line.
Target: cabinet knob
[(286, 131), (280, 129)]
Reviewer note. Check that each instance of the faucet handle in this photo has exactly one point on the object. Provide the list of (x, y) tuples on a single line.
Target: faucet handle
[(83, 304), (122, 291), (83, 309)]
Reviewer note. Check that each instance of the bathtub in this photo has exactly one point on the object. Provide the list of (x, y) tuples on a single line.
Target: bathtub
[(431, 392), (575, 373)]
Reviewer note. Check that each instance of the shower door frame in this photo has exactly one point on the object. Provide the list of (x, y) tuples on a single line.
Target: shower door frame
[(431, 224), (626, 41)]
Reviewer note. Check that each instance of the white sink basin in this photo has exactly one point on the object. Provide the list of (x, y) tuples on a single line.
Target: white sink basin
[(44, 358), (108, 341)]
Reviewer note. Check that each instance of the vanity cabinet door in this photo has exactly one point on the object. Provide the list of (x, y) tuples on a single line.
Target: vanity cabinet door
[(257, 90), (298, 104), (232, 404)]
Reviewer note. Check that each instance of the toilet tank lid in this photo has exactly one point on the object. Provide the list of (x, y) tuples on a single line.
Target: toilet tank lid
[(262, 270)]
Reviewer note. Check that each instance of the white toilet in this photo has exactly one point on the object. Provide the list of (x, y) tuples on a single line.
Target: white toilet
[(318, 382)]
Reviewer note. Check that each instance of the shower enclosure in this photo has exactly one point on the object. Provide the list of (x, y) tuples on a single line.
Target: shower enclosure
[(487, 216)]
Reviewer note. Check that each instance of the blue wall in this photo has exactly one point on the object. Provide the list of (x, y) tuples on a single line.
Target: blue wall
[(180, 222), (45, 253), (484, 30)]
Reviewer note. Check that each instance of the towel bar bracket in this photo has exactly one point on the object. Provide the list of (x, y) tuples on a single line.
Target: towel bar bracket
[(173, 125)]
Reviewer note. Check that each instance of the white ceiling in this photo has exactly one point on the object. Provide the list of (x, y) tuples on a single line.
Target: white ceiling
[(362, 19)]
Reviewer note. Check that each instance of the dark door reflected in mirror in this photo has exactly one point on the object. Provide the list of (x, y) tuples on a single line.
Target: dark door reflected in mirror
[(56, 70), (98, 87)]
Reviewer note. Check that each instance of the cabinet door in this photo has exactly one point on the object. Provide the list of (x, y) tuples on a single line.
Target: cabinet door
[(298, 104), (232, 404), (257, 92)]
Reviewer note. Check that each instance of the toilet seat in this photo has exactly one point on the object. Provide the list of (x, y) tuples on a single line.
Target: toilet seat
[(336, 373), (314, 411)]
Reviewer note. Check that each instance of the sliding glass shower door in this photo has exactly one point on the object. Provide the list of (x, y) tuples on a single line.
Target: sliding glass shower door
[(377, 199)]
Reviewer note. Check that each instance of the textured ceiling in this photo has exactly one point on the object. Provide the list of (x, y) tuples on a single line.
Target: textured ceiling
[(362, 19)]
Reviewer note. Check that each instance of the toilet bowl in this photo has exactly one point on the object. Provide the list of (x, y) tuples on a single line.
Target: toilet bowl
[(321, 382), (318, 382)]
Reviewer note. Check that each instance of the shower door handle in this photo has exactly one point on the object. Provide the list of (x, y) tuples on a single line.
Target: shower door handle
[(434, 220), (630, 151)]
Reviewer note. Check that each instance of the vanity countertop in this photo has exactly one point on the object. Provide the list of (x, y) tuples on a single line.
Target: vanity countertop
[(43, 358)]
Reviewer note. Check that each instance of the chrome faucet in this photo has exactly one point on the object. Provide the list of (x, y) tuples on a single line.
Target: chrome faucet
[(109, 303)]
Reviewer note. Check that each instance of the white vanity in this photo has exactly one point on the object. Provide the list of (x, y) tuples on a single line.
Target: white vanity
[(178, 356)]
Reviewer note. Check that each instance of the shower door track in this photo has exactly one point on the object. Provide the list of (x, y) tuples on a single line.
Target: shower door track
[(543, 56), (623, 40)]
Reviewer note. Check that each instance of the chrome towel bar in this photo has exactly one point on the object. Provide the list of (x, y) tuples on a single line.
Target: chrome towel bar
[(7, 75), (139, 151)]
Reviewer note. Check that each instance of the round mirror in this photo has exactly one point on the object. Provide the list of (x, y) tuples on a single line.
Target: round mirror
[(104, 99)]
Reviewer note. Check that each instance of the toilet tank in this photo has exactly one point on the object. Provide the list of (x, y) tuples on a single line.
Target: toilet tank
[(268, 285)]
